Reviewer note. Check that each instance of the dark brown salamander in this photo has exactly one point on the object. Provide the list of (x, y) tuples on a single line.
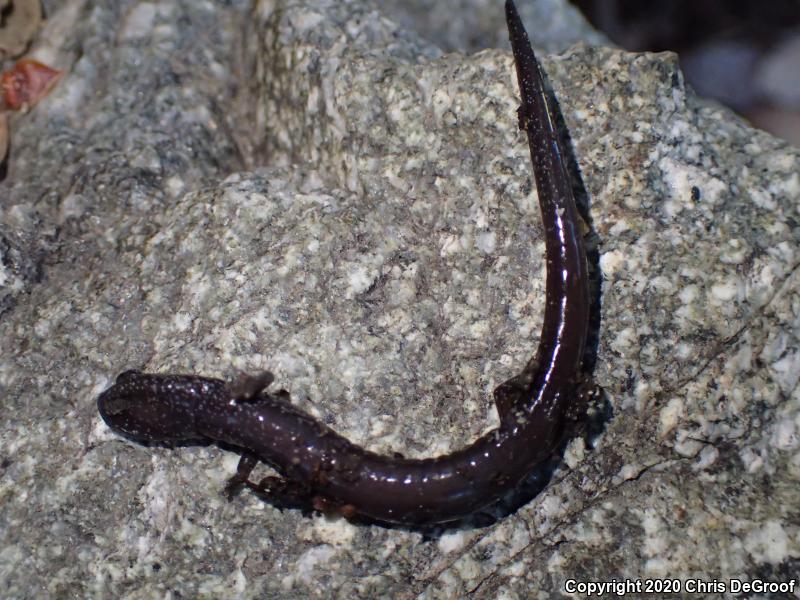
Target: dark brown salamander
[(323, 470)]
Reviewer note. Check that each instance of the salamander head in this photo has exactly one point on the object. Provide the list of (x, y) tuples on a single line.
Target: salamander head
[(156, 408)]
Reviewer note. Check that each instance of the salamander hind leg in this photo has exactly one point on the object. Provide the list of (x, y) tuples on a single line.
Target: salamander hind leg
[(512, 395), (589, 396)]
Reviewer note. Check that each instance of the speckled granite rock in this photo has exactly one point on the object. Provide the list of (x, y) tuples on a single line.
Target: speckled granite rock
[(383, 257)]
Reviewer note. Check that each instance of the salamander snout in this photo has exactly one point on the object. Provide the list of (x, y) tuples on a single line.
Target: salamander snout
[(152, 407)]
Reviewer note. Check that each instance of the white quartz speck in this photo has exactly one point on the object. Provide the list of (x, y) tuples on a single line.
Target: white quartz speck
[(309, 562), (768, 542), (140, 21), (486, 241), (627, 472), (552, 507), (670, 415), (175, 185), (681, 178), (689, 294), (734, 251), (450, 244), (707, 457), (684, 351), (359, 279), (452, 541), (655, 541), (336, 532), (726, 290), (575, 452), (786, 370), (752, 460), (763, 199), (625, 340), (785, 435), (182, 321), (307, 20)]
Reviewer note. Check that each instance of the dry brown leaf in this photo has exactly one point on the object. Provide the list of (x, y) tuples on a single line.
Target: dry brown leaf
[(27, 82)]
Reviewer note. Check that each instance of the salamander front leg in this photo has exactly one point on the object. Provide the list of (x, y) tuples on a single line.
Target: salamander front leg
[(247, 387), (246, 465), (284, 493), (278, 491)]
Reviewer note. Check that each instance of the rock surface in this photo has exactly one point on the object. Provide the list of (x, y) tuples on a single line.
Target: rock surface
[(337, 201)]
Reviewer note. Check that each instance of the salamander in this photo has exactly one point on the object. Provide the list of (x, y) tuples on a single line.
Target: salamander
[(321, 469)]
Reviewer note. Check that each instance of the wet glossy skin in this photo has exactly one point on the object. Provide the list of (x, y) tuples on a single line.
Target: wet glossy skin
[(319, 468)]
